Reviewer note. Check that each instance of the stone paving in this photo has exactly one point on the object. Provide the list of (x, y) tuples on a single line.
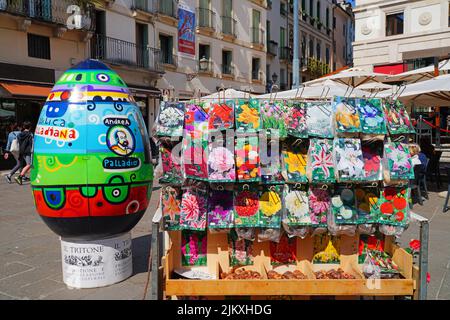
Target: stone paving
[(30, 261)]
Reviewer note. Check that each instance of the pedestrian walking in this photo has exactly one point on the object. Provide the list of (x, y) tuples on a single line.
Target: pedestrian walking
[(25, 139), (12, 149)]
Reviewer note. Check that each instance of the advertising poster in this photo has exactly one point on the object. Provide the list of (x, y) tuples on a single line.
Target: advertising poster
[(186, 31)]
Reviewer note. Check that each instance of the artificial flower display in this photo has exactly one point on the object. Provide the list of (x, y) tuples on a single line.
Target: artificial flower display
[(170, 119)]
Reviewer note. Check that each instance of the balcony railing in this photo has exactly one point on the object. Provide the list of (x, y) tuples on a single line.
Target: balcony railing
[(272, 48), (117, 51), (317, 67), (150, 6), (285, 53), (229, 26), (169, 59), (168, 8), (51, 12), (208, 68), (205, 18), (257, 36), (227, 69)]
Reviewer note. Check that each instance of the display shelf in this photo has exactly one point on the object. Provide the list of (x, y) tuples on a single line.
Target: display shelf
[(217, 262)]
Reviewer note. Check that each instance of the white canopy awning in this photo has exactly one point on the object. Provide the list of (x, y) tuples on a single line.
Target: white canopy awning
[(327, 89), (420, 74), (227, 94), (352, 77)]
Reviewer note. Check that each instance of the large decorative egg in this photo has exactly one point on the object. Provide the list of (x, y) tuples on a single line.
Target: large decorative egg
[(91, 173)]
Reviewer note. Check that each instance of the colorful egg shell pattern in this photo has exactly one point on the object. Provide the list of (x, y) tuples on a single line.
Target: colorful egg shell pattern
[(91, 173)]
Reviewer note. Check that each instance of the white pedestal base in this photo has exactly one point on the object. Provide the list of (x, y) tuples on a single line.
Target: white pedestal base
[(96, 263)]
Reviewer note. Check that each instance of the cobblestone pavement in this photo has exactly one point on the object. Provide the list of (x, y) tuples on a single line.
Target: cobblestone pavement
[(30, 261)]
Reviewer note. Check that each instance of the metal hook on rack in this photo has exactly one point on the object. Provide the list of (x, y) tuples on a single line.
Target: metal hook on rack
[(297, 142), (324, 187), (374, 184), (220, 187), (297, 185), (301, 93), (349, 185), (276, 92), (245, 187)]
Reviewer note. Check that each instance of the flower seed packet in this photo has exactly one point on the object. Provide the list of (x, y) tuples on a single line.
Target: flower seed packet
[(196, 117), (221, 116), (394, 206), (247, 158), (295, 154), (170, 158), (195, 146), (398, 161), (319, 205), (270, 206), (240, 250), (343, 205), (193, 248), (270, 162), (220, 209), (274, 116), (398, 121), (319, 119), (170, 119), (246, 206), (283, 252), (248, 116), (346, 115), (371, 116), (372, 155), (221, 167), (296, 205), (349, 159), (194, 208), (367, 203), (171, 207), (320, 161), (296, 121)]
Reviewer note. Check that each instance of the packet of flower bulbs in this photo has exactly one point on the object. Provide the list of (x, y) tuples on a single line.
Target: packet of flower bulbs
[(247, 116), (294, 156), (246, 205), (270, 206), (296, 205), (349, 159), (398, 121), (270, 161), (220, 207), (393, 206), (367, 198), (171, 163), (196, 117), (221, 167), (371, 113), (171, 207), (269, 234), (346, 116), (245, 233), (296, 122), (320, 164), (195, 155), (319, 202), (170, 119), (247, 158), (240, 250), (343, 205), (284, 252), (193, 248), (194, 206), (274, 116), (397, 162), (319, 120), (221, 116), (372, 154)]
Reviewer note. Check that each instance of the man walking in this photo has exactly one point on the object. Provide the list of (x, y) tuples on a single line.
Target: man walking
[(25, 139), (15, 131)]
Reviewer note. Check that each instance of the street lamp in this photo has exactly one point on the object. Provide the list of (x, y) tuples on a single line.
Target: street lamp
[(204, 63)]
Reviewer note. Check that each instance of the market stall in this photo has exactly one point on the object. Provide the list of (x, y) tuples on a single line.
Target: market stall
[(272, 198)]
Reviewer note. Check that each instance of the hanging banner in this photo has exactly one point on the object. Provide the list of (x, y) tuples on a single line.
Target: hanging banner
[(186, 31)]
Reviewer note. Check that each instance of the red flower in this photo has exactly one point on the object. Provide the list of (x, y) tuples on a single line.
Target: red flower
[(387, 208), (414, 244), (428, 277), (399, 216), (399, 203), (389, 193)]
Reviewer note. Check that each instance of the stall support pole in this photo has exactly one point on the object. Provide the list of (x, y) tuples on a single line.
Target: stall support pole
[(156, 255), (423, 258)]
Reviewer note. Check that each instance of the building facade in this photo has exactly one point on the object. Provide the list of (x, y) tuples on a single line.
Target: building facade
[(227, 48), (325, 39), (396, 36)]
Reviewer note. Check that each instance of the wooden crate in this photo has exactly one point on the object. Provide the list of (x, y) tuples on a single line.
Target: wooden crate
[(218, 261)]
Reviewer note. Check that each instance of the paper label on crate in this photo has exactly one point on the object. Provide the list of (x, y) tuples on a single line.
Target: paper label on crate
[(194, 274)]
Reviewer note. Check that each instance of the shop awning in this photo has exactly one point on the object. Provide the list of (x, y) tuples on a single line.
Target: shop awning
[(26, 89)]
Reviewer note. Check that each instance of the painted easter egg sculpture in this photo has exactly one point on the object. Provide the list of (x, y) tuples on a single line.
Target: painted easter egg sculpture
[(92, 172)]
